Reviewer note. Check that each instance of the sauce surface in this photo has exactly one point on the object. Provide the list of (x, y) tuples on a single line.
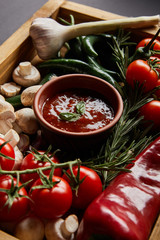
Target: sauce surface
[(96, 115)]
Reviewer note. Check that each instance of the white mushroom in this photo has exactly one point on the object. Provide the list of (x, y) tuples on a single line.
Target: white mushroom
[(26, 74), (26, 120), (4, 105), (10, 89), (17, 128), (13, 137), (7, 116), (1, 135), (62, 229), (18, 158), (27, 96), (24, 142), (30, 228), (6, 121), (69, 226), (52, 230), (2, 97)]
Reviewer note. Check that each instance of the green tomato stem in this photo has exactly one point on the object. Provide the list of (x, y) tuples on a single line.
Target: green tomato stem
[(55, 165)]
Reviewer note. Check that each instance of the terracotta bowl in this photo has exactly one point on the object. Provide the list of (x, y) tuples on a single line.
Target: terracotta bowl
[(77, 142)]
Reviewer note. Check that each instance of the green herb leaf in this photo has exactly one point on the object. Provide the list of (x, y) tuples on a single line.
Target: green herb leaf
[(71, 117), (80, 107)]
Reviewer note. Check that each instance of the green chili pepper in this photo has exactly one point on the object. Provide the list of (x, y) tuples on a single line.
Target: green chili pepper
[(47, 78), (15, 101), (75, 50), (93, 62), (91, 41), (66, 66), (100, 48), (88, 44)]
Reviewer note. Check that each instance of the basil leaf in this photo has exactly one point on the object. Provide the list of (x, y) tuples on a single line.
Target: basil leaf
[(80, 107), (72, 117), (67, 116)]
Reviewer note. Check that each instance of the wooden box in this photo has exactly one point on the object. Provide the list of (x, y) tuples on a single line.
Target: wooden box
[(19, 47)]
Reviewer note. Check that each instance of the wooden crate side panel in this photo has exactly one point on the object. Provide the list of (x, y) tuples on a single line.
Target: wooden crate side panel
[(19, 47), (6, 236), (84, 13), (155, 235)]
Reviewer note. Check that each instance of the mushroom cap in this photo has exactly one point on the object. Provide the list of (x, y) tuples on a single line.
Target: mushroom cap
[(26, 80), (7, 119), (4, 105), (8, 115), (28, 94), (10, 89), (26, 120)]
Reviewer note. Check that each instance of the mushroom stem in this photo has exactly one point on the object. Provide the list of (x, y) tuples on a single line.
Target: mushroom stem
[(25, 68), (69, 226), (49, 36), (62, 229)]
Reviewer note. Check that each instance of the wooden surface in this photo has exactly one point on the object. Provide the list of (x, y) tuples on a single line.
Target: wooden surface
[(5, 236), (155, 235), (19, 47)]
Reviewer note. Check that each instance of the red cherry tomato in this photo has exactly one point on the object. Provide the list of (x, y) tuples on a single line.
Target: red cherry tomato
[(7, 149), (140, 71), (20, 204), (30, 162), (157, 63), (157, 92), (51, 202), (144, 42), (151, 113), (88, 190)]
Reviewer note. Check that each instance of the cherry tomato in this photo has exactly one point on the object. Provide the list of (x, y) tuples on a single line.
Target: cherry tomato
[(7, 149), (140, 71), (88, 190), (157, 63), (51, 202), (157, 92), (144, 42), (30, 162), (20, 204), (151, 113)]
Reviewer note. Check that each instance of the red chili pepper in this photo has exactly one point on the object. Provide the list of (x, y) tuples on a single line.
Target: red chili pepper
[(128, 207)]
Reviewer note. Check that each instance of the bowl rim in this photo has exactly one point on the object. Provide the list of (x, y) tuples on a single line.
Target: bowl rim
[(56, 130)]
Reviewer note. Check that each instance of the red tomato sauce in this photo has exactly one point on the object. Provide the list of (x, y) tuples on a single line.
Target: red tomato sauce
[(97, 112)]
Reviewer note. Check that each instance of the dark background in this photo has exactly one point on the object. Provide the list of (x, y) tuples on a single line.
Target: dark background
[(13, 13)]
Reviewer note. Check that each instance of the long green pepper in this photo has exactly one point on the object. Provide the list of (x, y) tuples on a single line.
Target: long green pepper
[(66, 66)]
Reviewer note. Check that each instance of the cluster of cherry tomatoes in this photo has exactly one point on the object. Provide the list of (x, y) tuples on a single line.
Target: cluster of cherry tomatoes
[(147, 74), (48, 196)]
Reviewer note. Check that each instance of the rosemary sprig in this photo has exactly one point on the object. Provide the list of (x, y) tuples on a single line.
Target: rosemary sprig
[(122, 145), (126, 139)]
